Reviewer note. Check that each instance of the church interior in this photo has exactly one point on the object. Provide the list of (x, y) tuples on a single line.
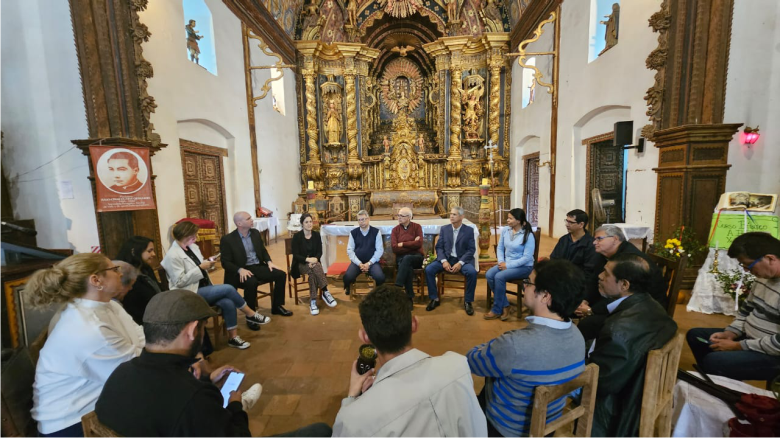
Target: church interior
[(642, 113)]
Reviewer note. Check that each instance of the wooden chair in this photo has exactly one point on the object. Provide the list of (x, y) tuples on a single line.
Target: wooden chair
[(583, 414), (220, 328), (94, 428), (453, 281), (672, 271), (660, 378), (518, 283), (299, 285)]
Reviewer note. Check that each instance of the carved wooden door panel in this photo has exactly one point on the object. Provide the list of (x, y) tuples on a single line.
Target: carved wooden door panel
[(204, 188), (605, 173), (531, 190)]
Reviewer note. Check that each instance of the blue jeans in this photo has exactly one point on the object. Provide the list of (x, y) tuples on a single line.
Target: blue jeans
[(739, 365), (226, 298), (497, 279), (375, 271), (467, 270)]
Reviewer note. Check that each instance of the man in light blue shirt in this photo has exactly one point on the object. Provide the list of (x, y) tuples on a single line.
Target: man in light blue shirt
[(364, 249)]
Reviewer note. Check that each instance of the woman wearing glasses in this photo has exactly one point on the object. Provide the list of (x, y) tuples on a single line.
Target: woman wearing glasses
[(515, 254), (88, 338)]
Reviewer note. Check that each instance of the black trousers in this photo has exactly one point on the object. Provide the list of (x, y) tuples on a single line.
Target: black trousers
[(407, 263), (261, 275)]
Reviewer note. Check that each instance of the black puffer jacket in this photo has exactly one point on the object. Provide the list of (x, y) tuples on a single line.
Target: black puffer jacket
[(639, 324)]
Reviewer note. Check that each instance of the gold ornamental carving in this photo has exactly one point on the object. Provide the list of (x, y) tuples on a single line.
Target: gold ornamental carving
[(494, 122), (523, 55), (404, 167), (455, 113), (402, 86), (311, 117), (352, 129)]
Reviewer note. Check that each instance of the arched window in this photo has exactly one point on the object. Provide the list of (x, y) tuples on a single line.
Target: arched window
[(529, 83), (277, 91), (604, 16), (199, 35)]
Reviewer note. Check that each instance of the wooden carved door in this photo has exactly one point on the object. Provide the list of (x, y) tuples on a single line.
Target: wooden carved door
[(531, 188), (204, 184), (606, 172)]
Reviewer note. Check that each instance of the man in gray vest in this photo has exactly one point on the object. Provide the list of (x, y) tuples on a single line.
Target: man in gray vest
[(364, 249)]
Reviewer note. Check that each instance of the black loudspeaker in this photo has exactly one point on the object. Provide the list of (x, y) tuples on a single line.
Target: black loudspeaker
[(624, 133)]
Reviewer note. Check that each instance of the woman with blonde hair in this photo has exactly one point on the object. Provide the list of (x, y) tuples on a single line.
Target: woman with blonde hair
[(186, 269), (88, 338)]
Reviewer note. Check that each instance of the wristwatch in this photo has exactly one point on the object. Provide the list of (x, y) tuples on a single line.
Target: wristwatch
[(589, 312)]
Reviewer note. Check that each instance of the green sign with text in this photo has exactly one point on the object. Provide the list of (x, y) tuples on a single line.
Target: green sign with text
[(731, 225)]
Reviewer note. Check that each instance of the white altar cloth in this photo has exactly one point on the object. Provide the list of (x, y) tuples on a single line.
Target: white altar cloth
[(329, 233)]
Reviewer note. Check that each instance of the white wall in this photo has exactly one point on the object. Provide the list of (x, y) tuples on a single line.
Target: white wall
[(592, 97), (752, 90), (195, 105), (43, 109)]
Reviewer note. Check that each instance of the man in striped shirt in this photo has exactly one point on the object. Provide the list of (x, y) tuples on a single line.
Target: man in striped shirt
[(549, 351), (749, 348)]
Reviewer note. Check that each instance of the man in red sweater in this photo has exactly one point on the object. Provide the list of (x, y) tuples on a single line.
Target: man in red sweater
[(407, 242)]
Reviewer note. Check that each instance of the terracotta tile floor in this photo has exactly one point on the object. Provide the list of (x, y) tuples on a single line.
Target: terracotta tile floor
[(303, 361)]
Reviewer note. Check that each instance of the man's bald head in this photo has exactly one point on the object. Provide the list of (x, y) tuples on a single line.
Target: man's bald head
[(243, 220)]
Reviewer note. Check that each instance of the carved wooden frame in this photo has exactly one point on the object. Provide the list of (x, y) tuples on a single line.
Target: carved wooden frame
[(8, 291), (525, 159), (204, 149), (589, 143)]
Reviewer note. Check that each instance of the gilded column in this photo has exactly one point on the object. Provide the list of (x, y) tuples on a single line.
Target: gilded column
[(494, 124), (313, 169), (454, 159)]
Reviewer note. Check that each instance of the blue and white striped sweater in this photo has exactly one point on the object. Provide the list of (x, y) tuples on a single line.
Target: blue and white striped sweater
[(547, 352)]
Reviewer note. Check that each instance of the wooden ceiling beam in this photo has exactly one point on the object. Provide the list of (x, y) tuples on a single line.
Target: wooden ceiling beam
[(262, 23)]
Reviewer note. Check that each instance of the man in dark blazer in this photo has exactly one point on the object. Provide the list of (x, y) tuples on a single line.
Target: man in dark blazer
[(248, 265), (455, 254)]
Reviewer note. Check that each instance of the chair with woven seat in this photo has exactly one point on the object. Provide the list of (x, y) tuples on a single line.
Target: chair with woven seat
[(94, 428), (519, 282), (672, 271), (660, 377), (582, 414)]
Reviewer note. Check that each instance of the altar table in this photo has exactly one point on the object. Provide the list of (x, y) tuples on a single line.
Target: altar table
[(697, 413), (332, 247)]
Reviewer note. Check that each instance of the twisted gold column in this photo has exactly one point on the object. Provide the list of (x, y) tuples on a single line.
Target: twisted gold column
[(454, 159), (495, 98), (313, 169), (355, 166)]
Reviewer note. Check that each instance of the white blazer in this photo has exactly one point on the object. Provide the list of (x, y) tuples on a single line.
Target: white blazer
[(181, 271)]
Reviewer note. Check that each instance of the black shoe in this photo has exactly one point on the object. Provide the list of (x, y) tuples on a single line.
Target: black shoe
[(346, 290), (469, 309), (253, 326), (281, 311), (411, 300), (432, 305)]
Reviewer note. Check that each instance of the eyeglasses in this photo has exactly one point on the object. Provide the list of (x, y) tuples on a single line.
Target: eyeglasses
[(404, 215), (570, 222), (600, 238), (527, 282), (750, 266), (113, 268)]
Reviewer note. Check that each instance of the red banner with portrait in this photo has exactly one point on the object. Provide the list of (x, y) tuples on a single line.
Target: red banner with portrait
[(123, 178)]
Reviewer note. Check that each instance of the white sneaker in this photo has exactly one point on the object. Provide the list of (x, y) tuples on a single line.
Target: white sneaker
[(250, 397), (328, 298), (239, 343), (313, 307)]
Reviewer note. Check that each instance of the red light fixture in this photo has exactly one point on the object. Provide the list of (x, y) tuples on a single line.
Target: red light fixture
[(751, 135)]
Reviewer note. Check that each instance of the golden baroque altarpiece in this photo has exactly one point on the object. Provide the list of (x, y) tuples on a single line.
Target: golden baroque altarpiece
[(397, 110)]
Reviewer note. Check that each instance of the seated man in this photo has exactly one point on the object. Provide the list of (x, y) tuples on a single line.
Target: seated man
[(364, 249), (550, 350), (156, 394), (410, 393), (636, 324), (248, 265), (406, 240), (577, 246), (455, 254), (749, 348)]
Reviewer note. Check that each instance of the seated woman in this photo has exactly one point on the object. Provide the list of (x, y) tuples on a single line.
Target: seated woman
[(186, 269), (515, 254), (88, 338), (139, 252), (306, 252)]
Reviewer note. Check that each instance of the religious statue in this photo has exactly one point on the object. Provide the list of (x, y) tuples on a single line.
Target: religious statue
[(313, 22), (386, 144), (402, 50), (453, 9), (472, 110), (352, 13), (333, 123), (531, 91), (192, 42), (612, 23), (420, 145), (491, 16)]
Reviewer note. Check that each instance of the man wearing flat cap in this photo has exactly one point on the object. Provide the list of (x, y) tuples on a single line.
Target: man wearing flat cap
[(156, 394)]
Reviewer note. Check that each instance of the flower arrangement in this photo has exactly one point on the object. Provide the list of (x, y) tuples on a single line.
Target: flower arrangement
[(430, 258), (682, 241), (729, 280)]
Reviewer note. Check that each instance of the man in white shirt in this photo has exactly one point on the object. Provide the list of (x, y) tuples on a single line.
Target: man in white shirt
[(409, 393), (364, 249)]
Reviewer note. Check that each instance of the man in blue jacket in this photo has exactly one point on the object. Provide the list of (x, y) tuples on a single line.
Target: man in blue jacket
[(455, 254)]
